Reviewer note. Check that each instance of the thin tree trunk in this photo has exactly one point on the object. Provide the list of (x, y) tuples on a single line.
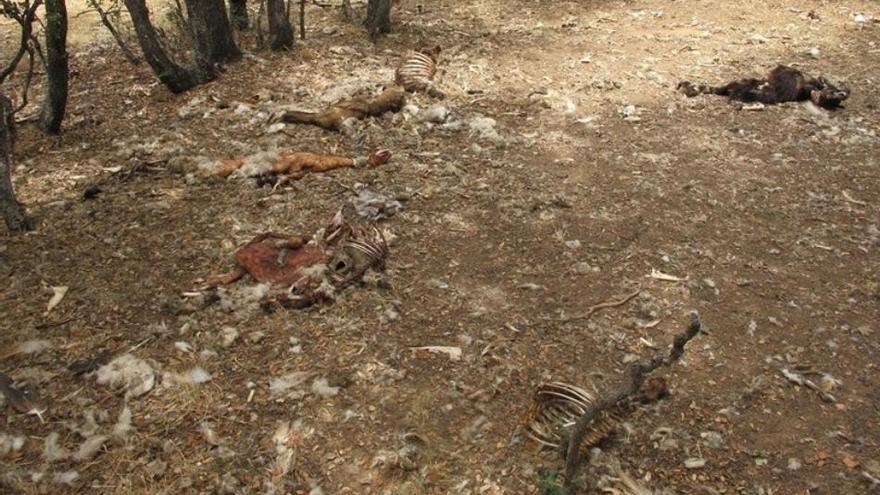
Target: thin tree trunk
[(239, 14), (56, 67), (212, 33), (280, 30), (378, 19), (174, 77), (302, 18), (13, 211)]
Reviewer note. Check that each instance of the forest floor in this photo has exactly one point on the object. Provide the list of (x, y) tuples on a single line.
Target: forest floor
[(596, 173)]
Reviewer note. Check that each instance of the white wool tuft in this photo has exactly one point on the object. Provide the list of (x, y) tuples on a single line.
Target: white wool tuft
[(66, 477), (53, 452), (280, 385), (90, 448), (33, 346), (322, 388), (128, 373), (256, 164), (123, 423), (242, 298)]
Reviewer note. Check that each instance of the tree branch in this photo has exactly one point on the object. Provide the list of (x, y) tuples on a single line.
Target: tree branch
[(636, 376), (26, 21)]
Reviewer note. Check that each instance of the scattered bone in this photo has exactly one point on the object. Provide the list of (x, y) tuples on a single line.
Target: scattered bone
[(454, 353), (799, 379), (658, 275), (129, 374), (58, 294)]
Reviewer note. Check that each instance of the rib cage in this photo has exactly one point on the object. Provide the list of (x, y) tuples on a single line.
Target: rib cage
[(556, 407), (416, 72)]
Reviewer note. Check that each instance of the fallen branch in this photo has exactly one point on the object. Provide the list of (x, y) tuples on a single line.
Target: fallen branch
[(637, 372), (333, 117), (607, 304)]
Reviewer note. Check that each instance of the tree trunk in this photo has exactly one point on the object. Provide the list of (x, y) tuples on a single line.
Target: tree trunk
[(174, 77), (280, 30), (56, 67), (239, 14), (13, 212), (378, 19), (212, 33)]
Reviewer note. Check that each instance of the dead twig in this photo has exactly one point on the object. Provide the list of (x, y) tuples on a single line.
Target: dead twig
[(595, 308), (636, 374)]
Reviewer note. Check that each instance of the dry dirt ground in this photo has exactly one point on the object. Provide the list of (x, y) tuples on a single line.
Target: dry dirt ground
[(597, 173)]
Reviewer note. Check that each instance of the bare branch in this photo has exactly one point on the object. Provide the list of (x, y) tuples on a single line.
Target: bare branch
[(105, 20), (26, 21), (637, 372), (26, 86)]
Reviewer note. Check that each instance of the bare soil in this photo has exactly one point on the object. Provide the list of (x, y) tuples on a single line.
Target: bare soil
[(601, 173)]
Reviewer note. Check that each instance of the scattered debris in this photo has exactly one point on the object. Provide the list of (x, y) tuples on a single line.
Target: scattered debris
[(322, 388), (285, 441), (209, 434), (90, 447), (58, 294), (658, 275), (85, 366), (27, 347), (375, 206), (123, 423), (229, 335), (454, 353), (10, 443), (66, 477), (597, 307), (283, 384), (25, 403), (192, 376), (128, 374), (828, 383), (52, 452), (629, 388)]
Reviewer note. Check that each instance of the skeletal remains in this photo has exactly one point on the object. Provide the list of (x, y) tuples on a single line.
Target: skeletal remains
[(280, 167), (312, 269), (556, 406)]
